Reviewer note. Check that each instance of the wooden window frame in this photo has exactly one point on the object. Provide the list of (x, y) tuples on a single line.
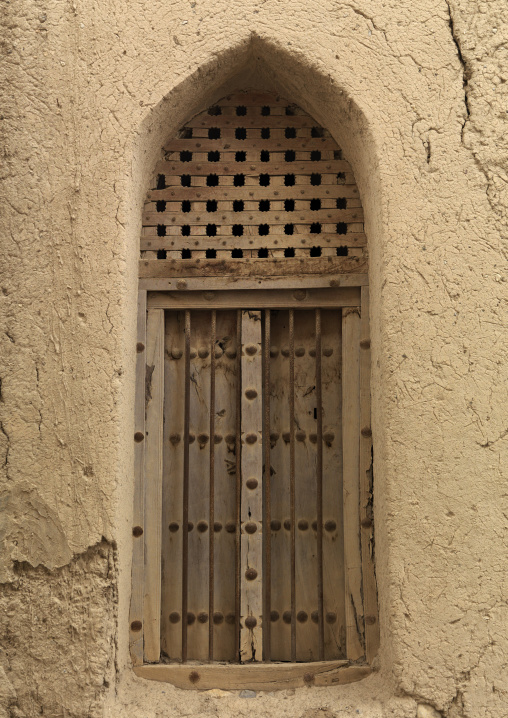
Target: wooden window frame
[(310, 291)]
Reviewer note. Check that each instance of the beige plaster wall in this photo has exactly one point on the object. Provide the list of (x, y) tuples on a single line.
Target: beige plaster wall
[(416, 94)]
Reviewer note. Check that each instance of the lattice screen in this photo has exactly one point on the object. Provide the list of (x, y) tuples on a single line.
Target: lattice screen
[(253, 176)]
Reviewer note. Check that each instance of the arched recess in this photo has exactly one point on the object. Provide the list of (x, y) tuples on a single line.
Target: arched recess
[(254, 209)]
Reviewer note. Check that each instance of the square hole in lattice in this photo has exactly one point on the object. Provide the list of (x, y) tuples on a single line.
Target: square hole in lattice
[(265, 110), (342, 251), (342, 228), (213, 156), (186, 206), (315, 228), (341, 203), (185, 156), (238, 205), (214, 133), (289, 252), (215, 110), (237, 230), (264, 180), (265, 133), (185, 133), (317, 132), (185, 230), (315, 156), (161, 254), (264, 205), (263, 253), (264, 229), (160, 205), (337, 154), (186, 254), (289, 156), (240, 156), (290, 133), (291, 110), (241, 110), (289, 229), (212, 181), (264, 156), (161, 181), (185, 180), (239, 180), (315, 179), (315, 251), (341, 177), (289, 180), (161, 230), (289, 205), (240, 133), (211, 205), (315, 204), (211, 254), (211, 230), (237, 253)]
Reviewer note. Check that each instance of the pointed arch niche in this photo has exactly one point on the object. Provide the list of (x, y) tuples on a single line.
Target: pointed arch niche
[(253, 540)]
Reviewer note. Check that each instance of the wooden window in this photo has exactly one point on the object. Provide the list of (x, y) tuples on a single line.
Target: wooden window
[(253, 536)]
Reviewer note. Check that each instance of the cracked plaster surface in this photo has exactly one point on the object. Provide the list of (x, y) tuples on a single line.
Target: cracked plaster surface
[(417, 96)]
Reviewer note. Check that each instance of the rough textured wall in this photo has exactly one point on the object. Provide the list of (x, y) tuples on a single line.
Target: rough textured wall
[(417, 96)]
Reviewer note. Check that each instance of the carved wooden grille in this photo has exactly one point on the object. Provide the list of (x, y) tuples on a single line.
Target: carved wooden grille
[(254, 491)]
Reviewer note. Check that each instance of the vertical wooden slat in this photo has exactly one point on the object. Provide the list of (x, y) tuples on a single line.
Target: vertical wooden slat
[(211, 519), (153, 482), (238, 478), (366, 495), (333, 534), (251, 637), (306, 576), (172, 486), (292, 477), (199, 488), (185, 497), (351, 461), (267, 479), (225, 643), (136, 607), (319, 484), (280, 508)]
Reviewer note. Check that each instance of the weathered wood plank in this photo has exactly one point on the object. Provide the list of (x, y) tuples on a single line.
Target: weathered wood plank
[(307, 635), (279, 191), (301, 281), (351, 459), (305, 217), (153, 482), (239, 299), (251, 179), (138, 518), (280, 510), (255, 676), (257, 122), (248, 241), (333, 529), (172, 488), (277, 167), (231, 144), (225, 635), (251, 635), (366, 489), (264, 267)]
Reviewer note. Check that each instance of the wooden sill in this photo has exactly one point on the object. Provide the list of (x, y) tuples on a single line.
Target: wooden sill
[(256, 677)]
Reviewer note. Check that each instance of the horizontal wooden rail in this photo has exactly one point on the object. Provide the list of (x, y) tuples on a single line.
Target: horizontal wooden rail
[(260, 677)]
